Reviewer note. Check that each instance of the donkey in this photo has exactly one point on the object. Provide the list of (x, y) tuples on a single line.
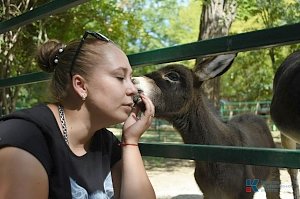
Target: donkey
[(285, 107), (178, 98)]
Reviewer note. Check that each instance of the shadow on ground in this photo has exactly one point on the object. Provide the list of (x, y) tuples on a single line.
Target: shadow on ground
[(188, 196), (166, 164)]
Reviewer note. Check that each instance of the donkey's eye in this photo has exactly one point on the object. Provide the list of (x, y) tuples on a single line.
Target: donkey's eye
[(173, 76)]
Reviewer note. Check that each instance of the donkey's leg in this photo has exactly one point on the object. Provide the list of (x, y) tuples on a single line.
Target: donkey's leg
[(272, 184), (288, 143)]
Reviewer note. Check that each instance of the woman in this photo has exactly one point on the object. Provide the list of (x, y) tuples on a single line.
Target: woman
[(62, 150)]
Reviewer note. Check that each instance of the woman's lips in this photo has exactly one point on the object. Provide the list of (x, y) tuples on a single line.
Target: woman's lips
[(128, 106)]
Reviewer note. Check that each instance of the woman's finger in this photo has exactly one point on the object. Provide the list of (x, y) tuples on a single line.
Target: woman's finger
[(150, 109)]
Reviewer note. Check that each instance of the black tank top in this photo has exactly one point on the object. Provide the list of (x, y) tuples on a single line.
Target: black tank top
[(36, 131)]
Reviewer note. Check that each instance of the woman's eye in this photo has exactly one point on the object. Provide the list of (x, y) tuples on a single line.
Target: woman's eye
[(120, 78)]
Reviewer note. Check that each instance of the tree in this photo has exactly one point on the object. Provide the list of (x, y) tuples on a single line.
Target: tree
[(216, 19), (13, 59)]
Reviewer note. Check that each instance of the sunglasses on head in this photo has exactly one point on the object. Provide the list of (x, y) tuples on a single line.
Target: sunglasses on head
[(86, 34)]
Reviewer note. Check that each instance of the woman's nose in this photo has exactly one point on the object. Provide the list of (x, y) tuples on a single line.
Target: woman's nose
[(132, 89)]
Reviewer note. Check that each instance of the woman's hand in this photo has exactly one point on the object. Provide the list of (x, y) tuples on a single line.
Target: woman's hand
[(135, 126), (135, 183)]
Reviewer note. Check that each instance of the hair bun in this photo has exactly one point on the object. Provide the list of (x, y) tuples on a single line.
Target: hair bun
[(48, 55)]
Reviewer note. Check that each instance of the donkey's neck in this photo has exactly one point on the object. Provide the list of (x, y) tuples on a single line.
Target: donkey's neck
[(201, 124)]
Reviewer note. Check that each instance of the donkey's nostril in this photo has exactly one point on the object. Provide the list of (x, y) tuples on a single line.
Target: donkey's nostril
[(139, 102), (136, 99), (140, 91)]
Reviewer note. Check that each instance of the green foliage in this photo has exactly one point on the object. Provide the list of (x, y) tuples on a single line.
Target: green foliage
[(167, 23), (248, 79), (113, 18), (251, 76), (17, 49)]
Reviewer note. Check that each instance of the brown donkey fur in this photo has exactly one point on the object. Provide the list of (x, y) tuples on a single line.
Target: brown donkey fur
[(178, 98)]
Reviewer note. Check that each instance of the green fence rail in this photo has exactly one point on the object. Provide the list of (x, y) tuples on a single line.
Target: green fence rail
[(288, 34), (43, 11), (229, 154)]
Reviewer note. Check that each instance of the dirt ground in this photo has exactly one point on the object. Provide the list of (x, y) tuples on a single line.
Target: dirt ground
[(176, 181)]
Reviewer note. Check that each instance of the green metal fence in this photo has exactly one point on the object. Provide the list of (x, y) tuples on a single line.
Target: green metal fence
[(283, 35), (261, 108), (229, 109)]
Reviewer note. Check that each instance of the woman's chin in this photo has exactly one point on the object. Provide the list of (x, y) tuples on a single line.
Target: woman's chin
[(122, 117)]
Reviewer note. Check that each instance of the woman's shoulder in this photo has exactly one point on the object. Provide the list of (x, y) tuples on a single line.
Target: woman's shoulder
[(21, 130), (38, 113)]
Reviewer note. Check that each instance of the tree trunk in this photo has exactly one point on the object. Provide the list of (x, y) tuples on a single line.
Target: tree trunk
[(216, 19)]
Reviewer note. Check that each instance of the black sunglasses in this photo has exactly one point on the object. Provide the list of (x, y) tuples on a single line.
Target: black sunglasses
[(86, 33)]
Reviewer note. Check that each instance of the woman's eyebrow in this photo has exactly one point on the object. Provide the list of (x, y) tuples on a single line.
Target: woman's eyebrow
[(124, 69)]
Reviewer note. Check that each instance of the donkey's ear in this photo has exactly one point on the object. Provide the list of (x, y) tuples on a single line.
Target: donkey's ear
[(213, 67)]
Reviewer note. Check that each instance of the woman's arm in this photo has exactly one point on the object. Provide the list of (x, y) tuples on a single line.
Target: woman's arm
[(116, 174), (135, 183), (129, 177), (22, 176)]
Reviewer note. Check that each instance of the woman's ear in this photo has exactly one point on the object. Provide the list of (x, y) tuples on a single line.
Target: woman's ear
[(80, 86)]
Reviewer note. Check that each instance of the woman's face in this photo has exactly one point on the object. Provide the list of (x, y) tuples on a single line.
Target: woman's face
[(110, 87)]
